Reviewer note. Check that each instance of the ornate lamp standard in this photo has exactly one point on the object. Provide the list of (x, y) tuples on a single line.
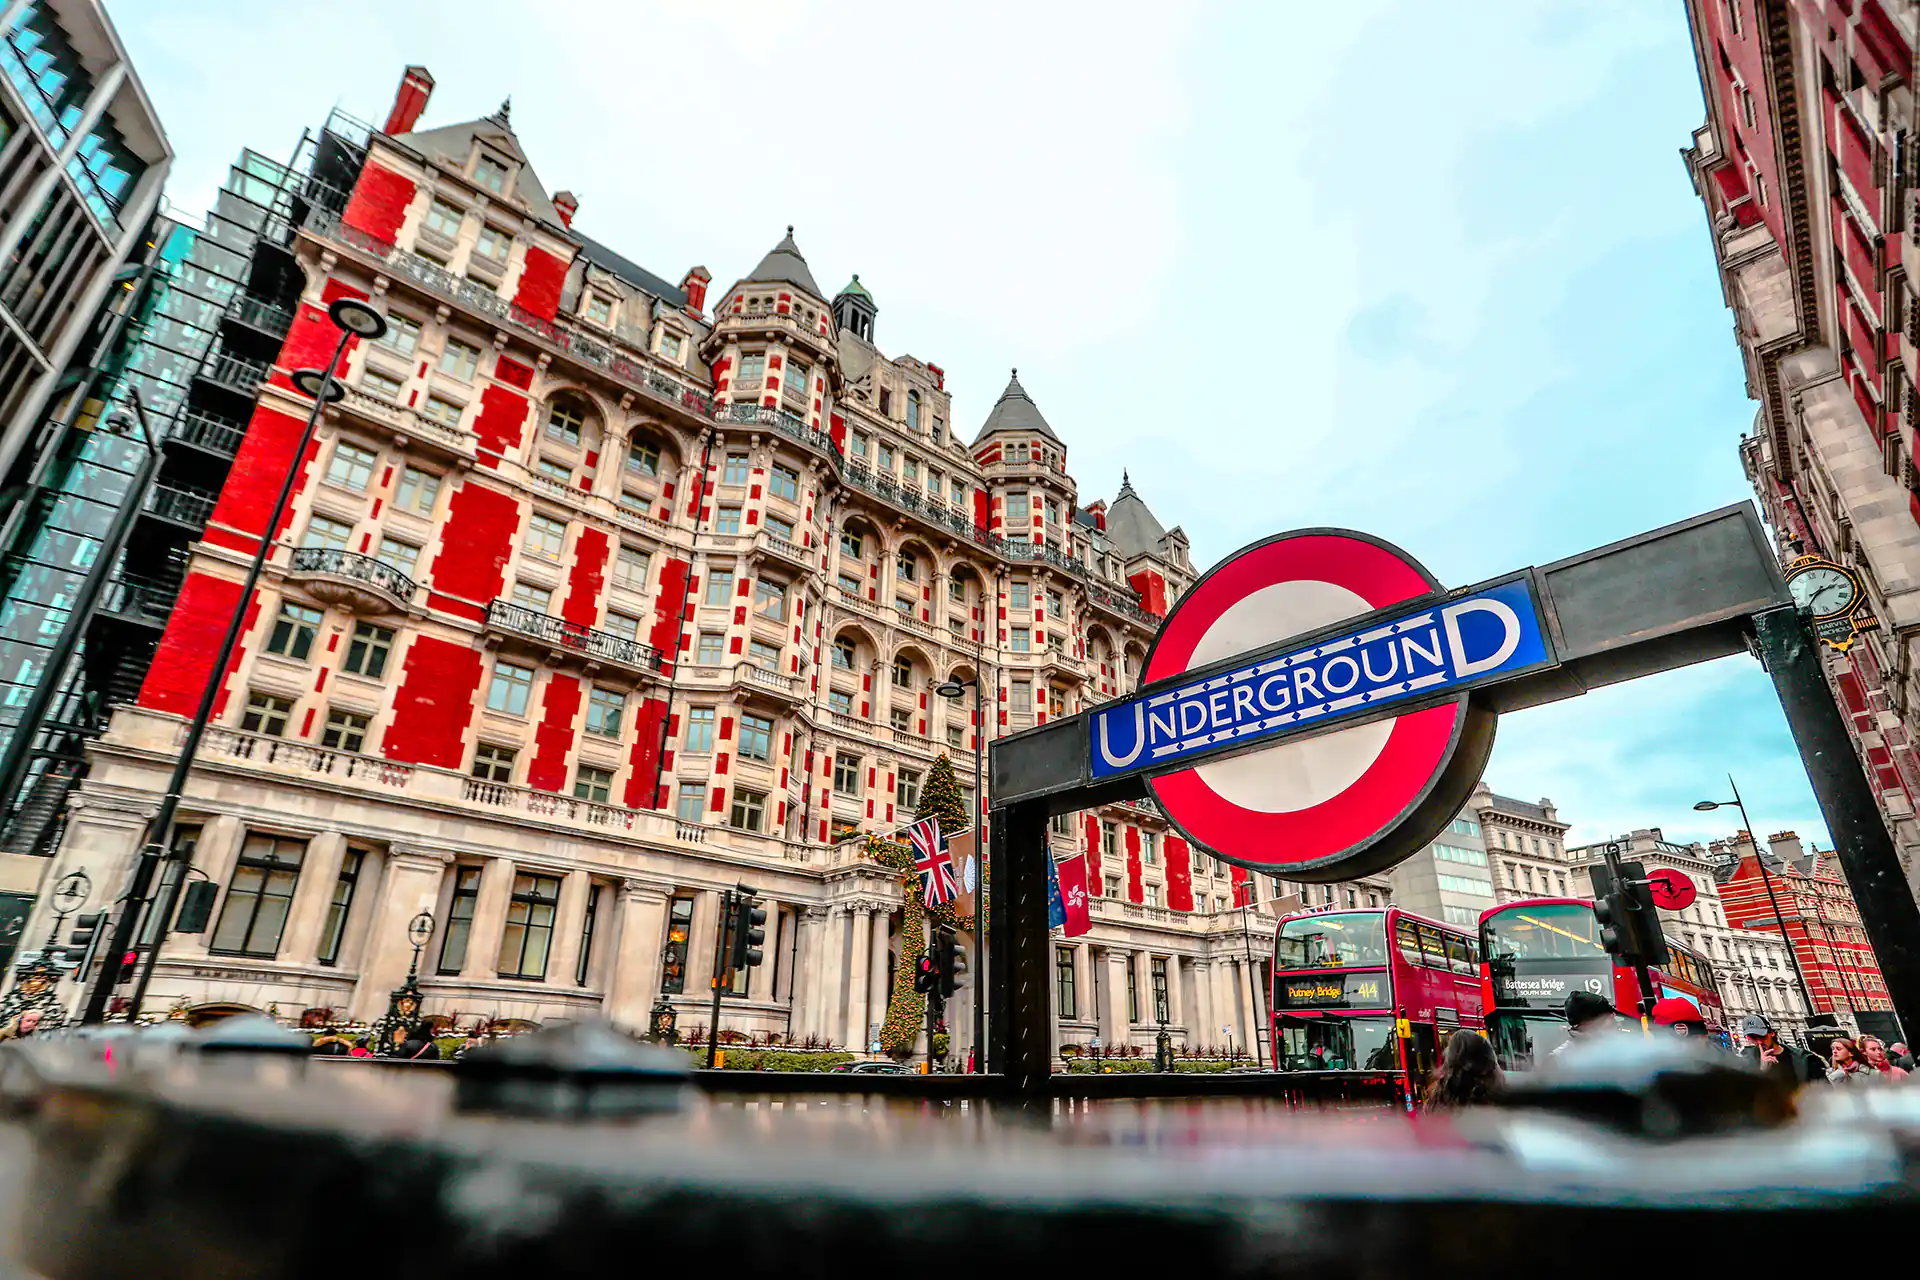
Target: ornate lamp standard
[(1793, 954), (355, 319)]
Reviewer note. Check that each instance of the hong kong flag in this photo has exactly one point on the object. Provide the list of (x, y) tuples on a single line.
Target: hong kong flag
[(1072, 873)]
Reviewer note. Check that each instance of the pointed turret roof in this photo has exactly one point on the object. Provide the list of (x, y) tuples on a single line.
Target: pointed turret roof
[(855, 289), (784, 263), (1016, 411), (1131, 527)]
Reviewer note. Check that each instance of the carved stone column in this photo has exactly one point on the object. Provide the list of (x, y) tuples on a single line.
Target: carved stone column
[(412, 885), (319, 870), (635, 979), (570, 918), (860, 957), (489, 919)]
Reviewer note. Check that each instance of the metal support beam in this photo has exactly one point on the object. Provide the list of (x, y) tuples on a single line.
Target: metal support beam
[(1020, 1014), (1860, 838)]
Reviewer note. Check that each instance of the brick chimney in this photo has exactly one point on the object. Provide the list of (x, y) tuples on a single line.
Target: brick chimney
[(566, 204), (1098, 510), (409, 101), (695, 287), (1786, 847)]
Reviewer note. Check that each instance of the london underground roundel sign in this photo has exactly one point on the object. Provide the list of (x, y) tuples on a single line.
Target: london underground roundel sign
[(1320, 627)]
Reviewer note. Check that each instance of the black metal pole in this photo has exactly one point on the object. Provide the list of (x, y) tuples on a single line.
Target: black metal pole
[(14, 760), (1020, 1032), (1255, 1014), (1860, 839), (979, 871), (671, 661), (127, 926), (1760, 860), (720, 949)]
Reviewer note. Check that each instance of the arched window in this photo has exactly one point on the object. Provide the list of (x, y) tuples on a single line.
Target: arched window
[(566, 418), (843, 653), (903, 673)]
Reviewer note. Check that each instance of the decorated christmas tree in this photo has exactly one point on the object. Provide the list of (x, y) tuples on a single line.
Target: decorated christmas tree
[(907, 1008), (940, 798)]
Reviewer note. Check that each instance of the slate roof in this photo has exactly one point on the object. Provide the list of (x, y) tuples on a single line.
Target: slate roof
[(1016, 411), (631, 272), (784, 263), (1521, 809), (455, 142), (1131, 526)]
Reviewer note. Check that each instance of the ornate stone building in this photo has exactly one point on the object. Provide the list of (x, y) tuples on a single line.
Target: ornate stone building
[(1807, 167), (600, 596), (1527, 845)]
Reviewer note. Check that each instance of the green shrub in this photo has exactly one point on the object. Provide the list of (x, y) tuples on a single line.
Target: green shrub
[(771, 1059)]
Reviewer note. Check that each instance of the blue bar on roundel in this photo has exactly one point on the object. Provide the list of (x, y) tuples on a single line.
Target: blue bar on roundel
[(1453, 644)]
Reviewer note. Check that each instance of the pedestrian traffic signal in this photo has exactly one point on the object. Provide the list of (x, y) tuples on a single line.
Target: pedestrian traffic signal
[(950, 962), (84, 929), (128, 964), (196, 907), (926, 976), (749, 934), (1629, 923)]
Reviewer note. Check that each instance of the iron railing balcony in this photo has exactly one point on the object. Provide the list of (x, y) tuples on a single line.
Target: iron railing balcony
[(234, 373), (257, 312), (215, 435), (147, 600), (336, 563), (504, 615), (930, 509), (787, 424), (187, 506)]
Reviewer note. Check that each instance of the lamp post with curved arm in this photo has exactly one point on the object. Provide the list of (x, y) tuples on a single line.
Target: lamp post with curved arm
[(355, 319)]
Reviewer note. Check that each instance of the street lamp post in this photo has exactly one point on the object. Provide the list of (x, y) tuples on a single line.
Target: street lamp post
[(1793, 953), (355, 319), (419, 931), (1255, 1013), (953, 690)]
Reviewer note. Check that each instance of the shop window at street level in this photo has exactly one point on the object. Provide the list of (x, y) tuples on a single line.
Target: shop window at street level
[(266, 714), (528, 935), (294, 631), (1065, 1005), (367, 652), (345, 731), (453, 943), (417, 492), (592, 784), (493, 763), (258, 897), (1133, 991), (699, 736), (509, 689), (673, 957), (351, 467), (756, 738), (334, 930), (749, 810), (606, 712)]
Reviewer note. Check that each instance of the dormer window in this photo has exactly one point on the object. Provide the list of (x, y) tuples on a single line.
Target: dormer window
[(599, 311), (490, 173), (670, 345)]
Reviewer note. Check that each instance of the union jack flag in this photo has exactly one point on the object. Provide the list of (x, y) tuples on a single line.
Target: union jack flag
[(938, 883)]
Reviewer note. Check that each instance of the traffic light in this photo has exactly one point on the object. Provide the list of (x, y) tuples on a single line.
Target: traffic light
[(748, 934), (949, 962), (84, 929), (129, 964), (1629, 924), (927, 975)]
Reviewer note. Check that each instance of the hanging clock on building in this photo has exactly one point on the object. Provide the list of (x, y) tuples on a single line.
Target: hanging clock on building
[(1830, 594)]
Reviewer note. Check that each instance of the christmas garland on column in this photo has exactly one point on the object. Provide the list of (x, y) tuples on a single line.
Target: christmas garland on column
[(907, 1008)]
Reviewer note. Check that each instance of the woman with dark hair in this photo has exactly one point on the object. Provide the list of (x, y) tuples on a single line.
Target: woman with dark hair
[(1468, 1075)]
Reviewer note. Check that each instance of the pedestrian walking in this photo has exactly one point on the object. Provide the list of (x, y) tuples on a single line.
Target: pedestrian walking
[(1875, 1055), (1902, 1058), (1468, 1075), (1846, 1066), (1681, 1019), (1791, 1065), (1588, 1018)]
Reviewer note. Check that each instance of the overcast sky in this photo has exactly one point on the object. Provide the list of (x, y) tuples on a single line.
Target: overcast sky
[(1431, 271)]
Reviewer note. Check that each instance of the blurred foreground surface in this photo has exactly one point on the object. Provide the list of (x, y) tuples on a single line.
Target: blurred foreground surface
[(578, 1156)]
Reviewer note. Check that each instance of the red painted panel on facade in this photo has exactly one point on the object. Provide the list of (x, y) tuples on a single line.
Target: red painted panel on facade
[(475, 543), (501, 420), (553, 740), (513, 373), (540, 282), (587, 578), (1153, 591), (177, 680), (668, 606), (1242, 887), (982, 509), (645, 757), (379, 203), (259, 469), (1135, 893), (439, 684), (1179, 874), (1094, 883)]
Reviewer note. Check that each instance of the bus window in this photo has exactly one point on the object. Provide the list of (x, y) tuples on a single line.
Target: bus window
[(1407, 941), (1337, 1044), (1332, 941), (1460, 955), (1557, 931), (1433, 952)]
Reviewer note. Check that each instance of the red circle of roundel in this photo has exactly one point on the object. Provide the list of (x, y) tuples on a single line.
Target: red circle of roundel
[(1416, 749)]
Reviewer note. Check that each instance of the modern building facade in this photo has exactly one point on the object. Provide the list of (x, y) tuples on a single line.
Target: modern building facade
[(82, 161), (1807, 167), (1751, 967), (1451, 879), (600, 596), (1821, 922)]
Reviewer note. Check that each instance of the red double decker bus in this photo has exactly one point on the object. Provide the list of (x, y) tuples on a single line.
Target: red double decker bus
[(1374, 992), (1534, 953)]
